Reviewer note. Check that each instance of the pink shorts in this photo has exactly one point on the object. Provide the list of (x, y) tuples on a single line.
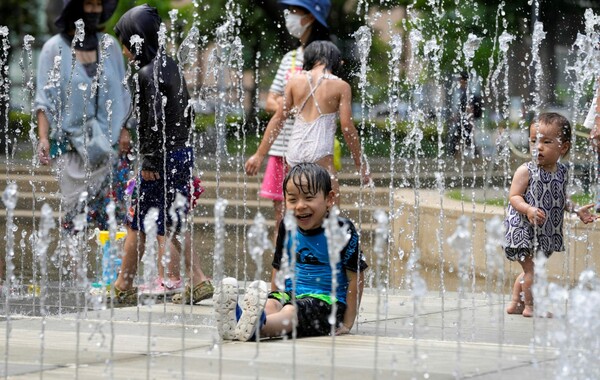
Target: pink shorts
[(272, 184)]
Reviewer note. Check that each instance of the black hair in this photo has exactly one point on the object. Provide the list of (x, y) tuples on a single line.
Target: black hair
[(309, 178), (318, 32), (324, 52), (559, 121)]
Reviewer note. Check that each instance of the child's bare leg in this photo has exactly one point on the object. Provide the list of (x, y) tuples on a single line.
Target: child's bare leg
[(279, 323), (192, 262), (272, 306), (516, 306), (527, 284), (133, 252), (168, 267)]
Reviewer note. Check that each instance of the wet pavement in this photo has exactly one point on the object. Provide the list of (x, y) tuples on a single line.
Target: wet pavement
[(396, 336)]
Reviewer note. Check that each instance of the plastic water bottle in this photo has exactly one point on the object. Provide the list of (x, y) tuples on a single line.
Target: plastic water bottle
[(110, 265)]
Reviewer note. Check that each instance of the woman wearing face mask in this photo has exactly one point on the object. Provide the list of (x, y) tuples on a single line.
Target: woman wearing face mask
[(65, 106), (305, 20)]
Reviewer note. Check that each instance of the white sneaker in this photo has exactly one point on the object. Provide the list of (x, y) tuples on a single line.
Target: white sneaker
[(253, 306), (225, 302)]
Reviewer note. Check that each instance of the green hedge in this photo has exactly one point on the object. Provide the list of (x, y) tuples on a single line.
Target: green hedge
[(376, 135)]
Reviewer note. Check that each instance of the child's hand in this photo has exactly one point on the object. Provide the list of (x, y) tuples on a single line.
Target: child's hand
[(149, 175), (253, 164), (366, 177), (124, 141), (585, 215), (535, 216), (43, 150)]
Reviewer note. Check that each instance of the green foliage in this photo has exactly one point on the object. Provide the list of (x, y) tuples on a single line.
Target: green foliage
[(460, 195), (123, 6), (377, 140), (21, 17), (450, 23), (376, 137), (18, 125)]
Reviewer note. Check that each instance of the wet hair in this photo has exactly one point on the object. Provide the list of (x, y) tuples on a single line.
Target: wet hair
[(324, 52), (560, 122), (309, 178)]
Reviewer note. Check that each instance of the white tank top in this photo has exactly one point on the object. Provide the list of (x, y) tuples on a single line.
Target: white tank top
[(312, 140)]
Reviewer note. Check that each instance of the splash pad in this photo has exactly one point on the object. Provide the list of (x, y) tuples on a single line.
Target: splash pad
[(434, 307)]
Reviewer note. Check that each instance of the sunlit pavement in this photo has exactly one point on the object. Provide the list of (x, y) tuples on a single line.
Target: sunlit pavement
[(397, 336)]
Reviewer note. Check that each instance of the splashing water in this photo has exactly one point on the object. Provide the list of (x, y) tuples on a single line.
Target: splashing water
[(337, 238), (536, 40), (258, 242), (460, 241), (150, 255), (220, 232), (9, 198), (578, 337), (380, 250), (413, 62)]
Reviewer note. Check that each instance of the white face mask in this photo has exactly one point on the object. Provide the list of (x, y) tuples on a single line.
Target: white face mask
[(293, 23)]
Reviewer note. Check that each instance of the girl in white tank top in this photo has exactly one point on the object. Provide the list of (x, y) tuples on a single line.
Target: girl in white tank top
[(317, 107)]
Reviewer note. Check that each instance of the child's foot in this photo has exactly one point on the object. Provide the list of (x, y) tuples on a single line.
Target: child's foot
[(515, 307), (253, 307), (225, 301), (192, 296), (528, 311)]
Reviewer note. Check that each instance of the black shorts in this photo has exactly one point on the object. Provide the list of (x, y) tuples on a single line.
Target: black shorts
[(519, 254), (313, 313)]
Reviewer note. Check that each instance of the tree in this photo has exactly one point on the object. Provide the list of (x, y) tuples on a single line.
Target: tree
[(450, 23)]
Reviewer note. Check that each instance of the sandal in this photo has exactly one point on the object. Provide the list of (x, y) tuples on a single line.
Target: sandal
[(202, 291), (126, 297)]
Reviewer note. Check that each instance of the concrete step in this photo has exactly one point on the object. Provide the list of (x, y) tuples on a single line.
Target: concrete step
[(237, 212)]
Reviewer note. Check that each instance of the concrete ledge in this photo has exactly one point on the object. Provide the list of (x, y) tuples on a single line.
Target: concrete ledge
[(425, 219)]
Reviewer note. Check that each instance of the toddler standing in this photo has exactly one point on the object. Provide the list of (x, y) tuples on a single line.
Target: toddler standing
[(537, 202)]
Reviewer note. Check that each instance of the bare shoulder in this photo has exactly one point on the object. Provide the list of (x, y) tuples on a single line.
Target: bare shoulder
[(522, 173), (338, 83)]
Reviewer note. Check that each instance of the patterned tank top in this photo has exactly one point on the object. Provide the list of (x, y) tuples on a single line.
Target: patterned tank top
[(547, 191)]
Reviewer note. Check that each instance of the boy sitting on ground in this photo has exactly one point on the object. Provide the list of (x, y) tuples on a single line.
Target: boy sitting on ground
[(308, 194)]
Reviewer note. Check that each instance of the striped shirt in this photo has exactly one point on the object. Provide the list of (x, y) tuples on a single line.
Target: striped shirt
[(291, 63)]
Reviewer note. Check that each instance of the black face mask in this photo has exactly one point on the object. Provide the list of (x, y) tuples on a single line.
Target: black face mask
[(91, 20)]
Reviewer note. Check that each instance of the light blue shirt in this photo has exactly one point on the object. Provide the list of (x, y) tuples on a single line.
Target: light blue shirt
[(63, 89)]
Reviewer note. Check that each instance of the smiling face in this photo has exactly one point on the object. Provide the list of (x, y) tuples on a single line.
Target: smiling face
[(310, 209), (547, 142)]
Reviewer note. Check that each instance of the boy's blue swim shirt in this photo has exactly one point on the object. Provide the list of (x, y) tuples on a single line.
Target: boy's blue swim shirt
[(313, 271)]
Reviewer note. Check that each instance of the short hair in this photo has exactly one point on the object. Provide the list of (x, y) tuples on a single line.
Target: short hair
[(309, 178), (559, 121), (324, 52)]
